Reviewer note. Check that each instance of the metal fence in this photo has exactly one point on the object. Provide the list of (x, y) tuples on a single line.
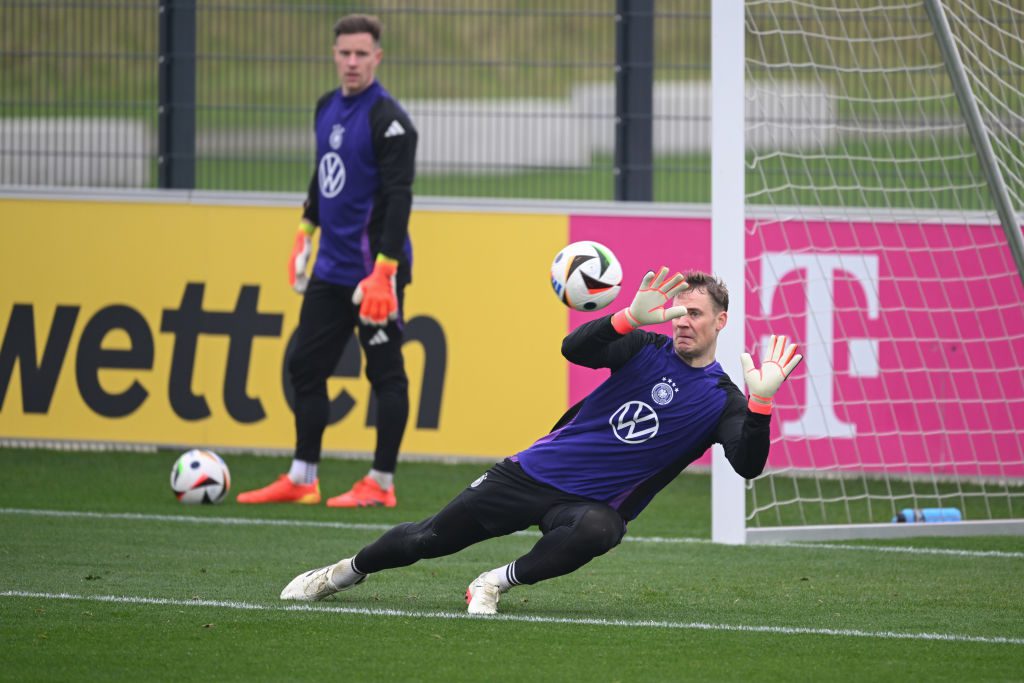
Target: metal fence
[(579, 99), (511, 98)]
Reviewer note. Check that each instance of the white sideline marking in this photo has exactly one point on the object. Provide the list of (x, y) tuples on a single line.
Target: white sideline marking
[(245, 521), (904, 549), (189, 519), (627, 623)]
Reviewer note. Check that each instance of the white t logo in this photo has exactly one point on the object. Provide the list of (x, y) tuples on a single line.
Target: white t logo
[(819, 357), (634, 422), (331, 174)]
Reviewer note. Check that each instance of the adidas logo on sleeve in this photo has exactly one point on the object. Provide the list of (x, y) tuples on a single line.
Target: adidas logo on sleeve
[(394, 130), (380, 338)]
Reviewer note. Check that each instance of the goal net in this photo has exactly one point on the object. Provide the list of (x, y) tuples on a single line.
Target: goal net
[(880, 235)]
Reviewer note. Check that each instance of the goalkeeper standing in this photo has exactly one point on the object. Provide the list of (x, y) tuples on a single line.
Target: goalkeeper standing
[(666, 402), (360, 197)]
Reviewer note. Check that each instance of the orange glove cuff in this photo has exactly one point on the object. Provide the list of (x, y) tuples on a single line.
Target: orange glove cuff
[(759, 404), (385, 265), (623, 322)]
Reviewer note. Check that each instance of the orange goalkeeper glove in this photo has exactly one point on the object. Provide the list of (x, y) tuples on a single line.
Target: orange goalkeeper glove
[(778, 363), (301, 251), (375, 294), (648, 307)]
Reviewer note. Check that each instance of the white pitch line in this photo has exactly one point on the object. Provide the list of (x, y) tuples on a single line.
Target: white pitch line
[(189, 519), (953, 552), (246, 521), (621, 623)]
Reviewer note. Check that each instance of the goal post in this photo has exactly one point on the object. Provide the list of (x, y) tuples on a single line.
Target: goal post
[(728, 521), (881, 230), (975, 124)]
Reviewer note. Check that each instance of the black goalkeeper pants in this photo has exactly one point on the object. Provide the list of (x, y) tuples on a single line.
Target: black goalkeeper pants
[(505, 500), (326, 323)]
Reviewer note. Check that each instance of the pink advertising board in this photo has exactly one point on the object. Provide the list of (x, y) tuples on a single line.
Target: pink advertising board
[(913, 336), (641, 244)]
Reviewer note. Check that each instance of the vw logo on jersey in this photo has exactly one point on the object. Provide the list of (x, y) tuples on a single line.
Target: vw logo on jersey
[(332, 175), (634, 422)]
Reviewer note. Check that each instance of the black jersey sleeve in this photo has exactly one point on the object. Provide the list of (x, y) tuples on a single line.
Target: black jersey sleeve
[(744, 435), (596, 344), (395, 147), (311, 207)]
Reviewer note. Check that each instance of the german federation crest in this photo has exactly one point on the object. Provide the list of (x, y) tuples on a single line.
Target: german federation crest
[(336, 136), (664, 391)]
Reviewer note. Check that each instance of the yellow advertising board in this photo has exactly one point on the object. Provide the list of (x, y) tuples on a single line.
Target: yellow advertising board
[(169, 324)]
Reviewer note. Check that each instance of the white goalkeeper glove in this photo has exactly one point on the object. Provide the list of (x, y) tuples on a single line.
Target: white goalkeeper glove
[(648, 307), (778, 363), (301, 251)]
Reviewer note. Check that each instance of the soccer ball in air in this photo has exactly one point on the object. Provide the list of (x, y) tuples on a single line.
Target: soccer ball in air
[(586, 276), (200, 476)]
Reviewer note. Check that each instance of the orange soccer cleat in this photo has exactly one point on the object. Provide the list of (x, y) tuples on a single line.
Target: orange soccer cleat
[(366, 493), (284, 490)]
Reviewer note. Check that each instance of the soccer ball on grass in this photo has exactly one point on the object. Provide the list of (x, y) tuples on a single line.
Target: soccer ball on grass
[(586, 276), (200, 476)]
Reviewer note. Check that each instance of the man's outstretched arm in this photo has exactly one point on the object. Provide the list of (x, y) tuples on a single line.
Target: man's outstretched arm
[(744, 431), (609, 342)]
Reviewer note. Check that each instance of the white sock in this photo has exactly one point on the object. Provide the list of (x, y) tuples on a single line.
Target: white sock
[(345, 573), (385, 479), (302, 472), (505, 576)]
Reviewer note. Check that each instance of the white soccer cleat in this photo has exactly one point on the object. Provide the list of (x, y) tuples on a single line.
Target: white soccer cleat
[(316, 584), (483, 596)]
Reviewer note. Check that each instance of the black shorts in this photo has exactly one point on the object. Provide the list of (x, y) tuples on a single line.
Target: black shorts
[(505, 499)]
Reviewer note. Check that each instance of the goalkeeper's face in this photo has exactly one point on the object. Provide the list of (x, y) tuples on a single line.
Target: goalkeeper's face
[(695, 335), (356, 55)]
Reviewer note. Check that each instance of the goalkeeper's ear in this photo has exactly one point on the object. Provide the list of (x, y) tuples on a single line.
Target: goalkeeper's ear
[(721, 320)]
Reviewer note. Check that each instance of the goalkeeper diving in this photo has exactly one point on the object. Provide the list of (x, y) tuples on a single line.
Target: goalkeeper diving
[(665, 403)]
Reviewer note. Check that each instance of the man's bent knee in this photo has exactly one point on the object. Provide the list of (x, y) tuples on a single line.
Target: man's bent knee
[(600, 530)]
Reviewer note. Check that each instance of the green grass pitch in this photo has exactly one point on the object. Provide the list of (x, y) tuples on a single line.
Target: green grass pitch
[(106, 577)]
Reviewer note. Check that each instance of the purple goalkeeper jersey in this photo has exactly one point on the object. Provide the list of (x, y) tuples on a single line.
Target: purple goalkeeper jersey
[(361, 192), (643, 425)]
